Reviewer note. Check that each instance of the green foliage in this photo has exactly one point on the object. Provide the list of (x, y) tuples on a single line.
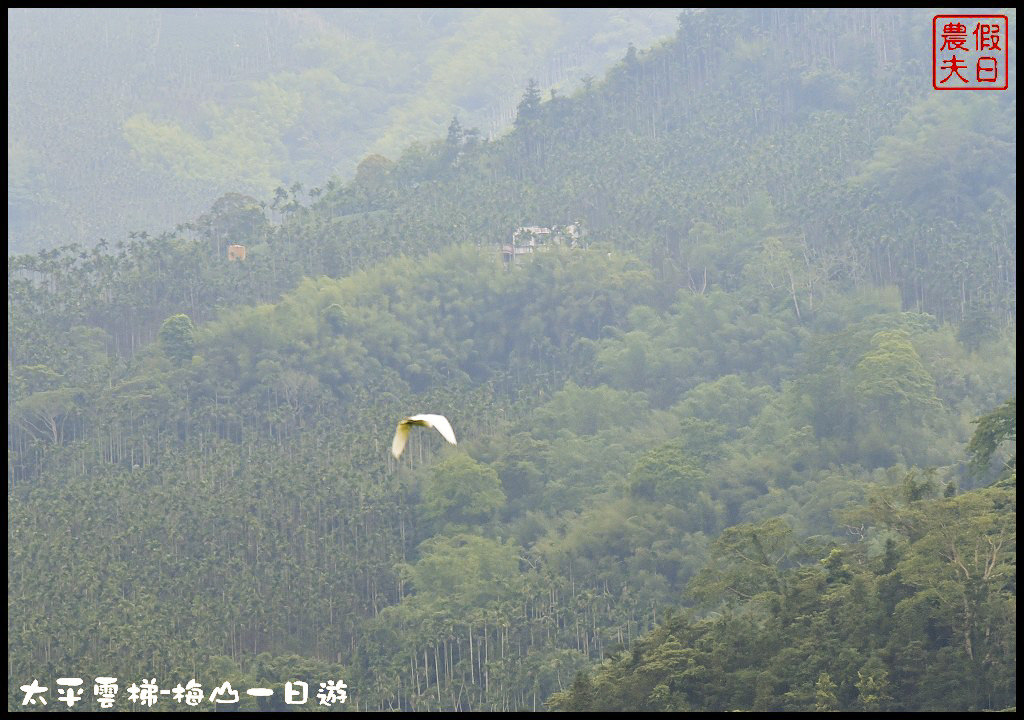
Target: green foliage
[(825, 699), (44, 413), (177, 338), (873, 688), (859, 636), (589, 411), (993, 429), (748, 561), (726, 401), (666, 475), (891, 375), (464, 571), (462, 492), (978, 327)]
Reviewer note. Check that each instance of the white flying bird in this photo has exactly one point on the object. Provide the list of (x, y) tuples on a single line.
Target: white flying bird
[(437, 422)]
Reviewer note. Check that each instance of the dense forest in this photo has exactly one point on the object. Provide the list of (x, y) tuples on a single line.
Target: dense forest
[(749, 445)]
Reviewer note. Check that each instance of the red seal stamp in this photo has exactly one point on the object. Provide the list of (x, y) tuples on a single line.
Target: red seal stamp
[(970, 52)]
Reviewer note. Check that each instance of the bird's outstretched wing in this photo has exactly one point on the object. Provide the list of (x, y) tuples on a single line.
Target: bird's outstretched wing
[(401, 437), (437, 422)]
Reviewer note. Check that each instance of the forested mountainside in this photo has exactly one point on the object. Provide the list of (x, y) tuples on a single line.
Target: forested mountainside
[(750, 444), (124, 120)]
